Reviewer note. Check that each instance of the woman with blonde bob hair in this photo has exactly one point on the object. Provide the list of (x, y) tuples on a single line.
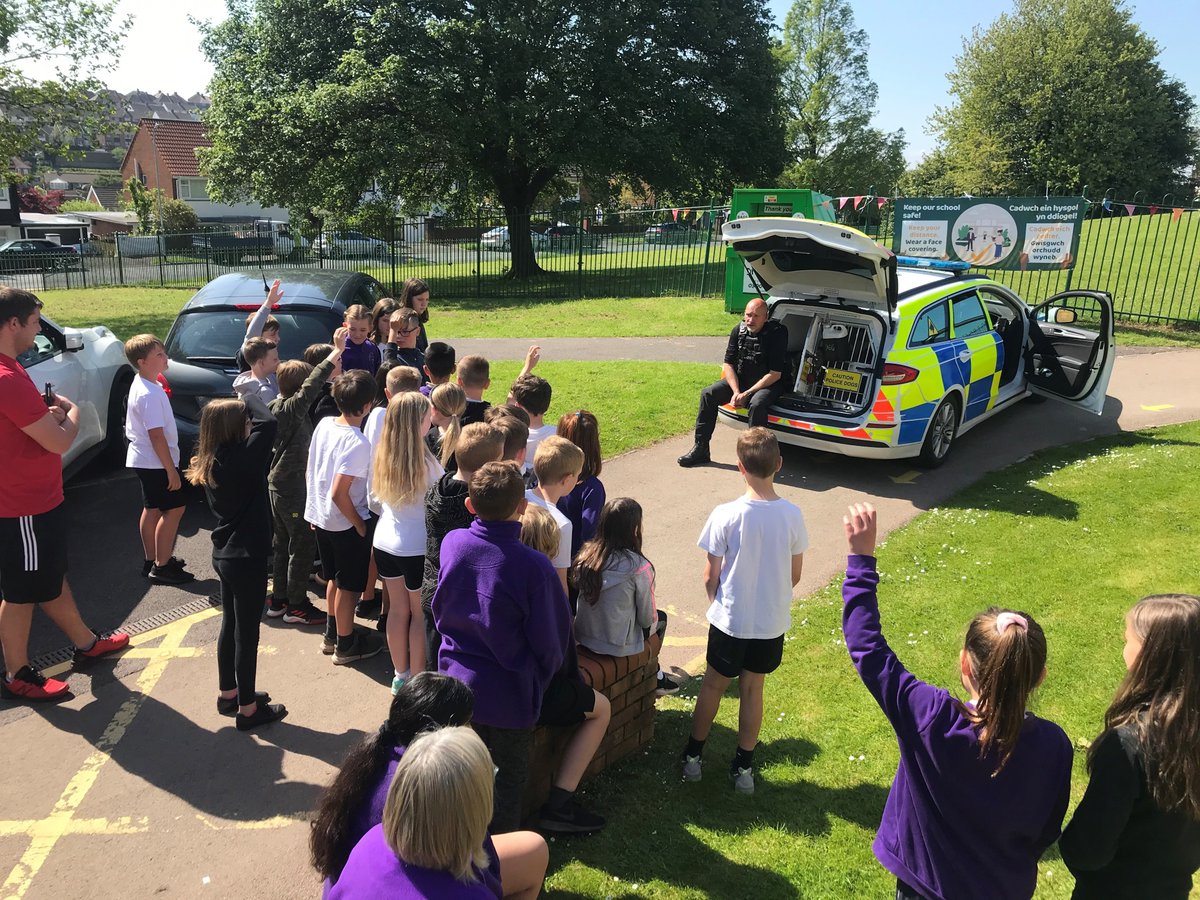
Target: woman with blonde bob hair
[(431, 841), (403, 470)]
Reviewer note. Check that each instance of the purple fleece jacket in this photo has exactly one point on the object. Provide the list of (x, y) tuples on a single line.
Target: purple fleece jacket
[(373, 870), (365, 356), (950, 828), (582, 506), (504, 621)]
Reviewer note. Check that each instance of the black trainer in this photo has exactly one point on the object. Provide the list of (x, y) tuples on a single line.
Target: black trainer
[(697, 456), (230, 707), (360, 646), (168, 574), (264, 714), (570, 818)]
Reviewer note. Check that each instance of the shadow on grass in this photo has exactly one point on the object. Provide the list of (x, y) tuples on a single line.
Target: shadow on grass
[(690, 835), (1014, 490)]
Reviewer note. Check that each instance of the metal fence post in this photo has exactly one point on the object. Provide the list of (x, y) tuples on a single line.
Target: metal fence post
[(1074, 263), (207, 259), (120, 259), (478, 253), (162, 260), (579, 251), (392, 242), (707, 244)]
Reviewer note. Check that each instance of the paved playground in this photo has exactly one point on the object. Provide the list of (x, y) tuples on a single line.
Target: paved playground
[(139, 775)]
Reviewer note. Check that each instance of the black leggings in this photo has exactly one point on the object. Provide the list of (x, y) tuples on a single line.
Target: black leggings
[(243, 595)]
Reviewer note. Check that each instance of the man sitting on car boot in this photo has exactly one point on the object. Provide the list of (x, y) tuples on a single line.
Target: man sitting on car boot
[(751, 375)]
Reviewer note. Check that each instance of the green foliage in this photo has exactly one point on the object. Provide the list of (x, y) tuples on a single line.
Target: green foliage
[(178, 217), (80, 40), (142, 201), (314, 101), (829, 99), (1065, 92), (80, 206)]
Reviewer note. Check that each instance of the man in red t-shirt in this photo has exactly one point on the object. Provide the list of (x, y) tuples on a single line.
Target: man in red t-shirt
[(34, 433)]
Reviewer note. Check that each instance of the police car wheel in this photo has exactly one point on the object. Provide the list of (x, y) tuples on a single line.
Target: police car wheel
[(943, 428)]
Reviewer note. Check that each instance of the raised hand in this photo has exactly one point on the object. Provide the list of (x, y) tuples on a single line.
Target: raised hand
[(860, 529)]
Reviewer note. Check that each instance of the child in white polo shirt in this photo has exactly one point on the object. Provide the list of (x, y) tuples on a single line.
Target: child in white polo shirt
[(755, 548)]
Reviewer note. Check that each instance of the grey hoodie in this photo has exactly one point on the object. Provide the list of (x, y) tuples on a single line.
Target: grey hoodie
[(614, 624)]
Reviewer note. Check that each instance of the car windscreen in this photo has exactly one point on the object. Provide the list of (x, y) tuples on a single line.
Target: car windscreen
[(215, 336)]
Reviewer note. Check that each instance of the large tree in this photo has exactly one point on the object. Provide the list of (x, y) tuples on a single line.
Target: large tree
[(1065, 92), (829, 100), (315, 101), (75, 42)]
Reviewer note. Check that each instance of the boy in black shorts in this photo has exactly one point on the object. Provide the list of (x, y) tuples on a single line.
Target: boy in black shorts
[(755, 548), (153, 455)]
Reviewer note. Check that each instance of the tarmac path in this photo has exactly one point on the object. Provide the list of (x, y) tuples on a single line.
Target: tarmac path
[(138, 778)]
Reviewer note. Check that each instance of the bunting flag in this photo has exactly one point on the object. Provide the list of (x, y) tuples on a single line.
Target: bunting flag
[(1129, 208), (1153, 209), (842, 202), (879, 201), (675, 214), (858, 201), (1176, 212)]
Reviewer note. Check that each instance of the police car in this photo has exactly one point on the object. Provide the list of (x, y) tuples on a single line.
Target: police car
[(893, 357)]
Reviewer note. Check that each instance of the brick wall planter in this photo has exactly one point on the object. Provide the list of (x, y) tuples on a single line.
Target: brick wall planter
[(629, 683)]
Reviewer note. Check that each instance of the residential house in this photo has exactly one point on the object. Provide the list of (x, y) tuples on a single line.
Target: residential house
[(163, 155)]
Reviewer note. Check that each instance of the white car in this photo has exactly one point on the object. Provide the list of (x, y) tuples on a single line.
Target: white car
[(88, 366), (350, 243), (497, 239)]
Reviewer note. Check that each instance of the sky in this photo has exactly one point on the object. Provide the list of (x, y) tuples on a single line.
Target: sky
[(910, 51)]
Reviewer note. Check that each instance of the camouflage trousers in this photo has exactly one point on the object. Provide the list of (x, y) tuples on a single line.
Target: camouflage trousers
[(295, 544)]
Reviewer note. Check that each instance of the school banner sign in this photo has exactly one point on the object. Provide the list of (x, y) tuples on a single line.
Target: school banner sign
[(1012, 233)]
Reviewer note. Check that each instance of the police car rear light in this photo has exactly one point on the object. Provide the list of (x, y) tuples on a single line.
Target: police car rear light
[(897, 374), (251, 307)]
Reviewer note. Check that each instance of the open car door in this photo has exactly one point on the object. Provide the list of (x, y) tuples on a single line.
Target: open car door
[(1071, 354)]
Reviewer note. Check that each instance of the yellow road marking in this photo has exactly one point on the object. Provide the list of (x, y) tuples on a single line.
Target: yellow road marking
[(144, 638), (698, 641), (254, 825), (58, 823), (906, 478), (1158, 407), (39, 827)]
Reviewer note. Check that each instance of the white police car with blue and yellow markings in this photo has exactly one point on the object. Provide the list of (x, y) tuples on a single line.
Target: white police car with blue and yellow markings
[(893, 357)]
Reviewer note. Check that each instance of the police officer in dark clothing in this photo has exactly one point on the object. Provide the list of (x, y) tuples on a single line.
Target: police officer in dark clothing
[(751, 375)]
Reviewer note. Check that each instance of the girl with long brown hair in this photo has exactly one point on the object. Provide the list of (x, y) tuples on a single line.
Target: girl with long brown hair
[(1136, 833), (983, 784), (414, 295), (231, 461)]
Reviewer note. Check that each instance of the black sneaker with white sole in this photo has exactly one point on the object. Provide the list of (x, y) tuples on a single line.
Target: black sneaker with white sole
[(359, 646), (168, 574), (570, 818), (666, 686)]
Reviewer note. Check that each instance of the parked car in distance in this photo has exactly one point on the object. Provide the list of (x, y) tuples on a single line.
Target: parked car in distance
[(669, 233), (204, 339), (88, 366), (893, 357), (35, 255), (341, 244), (497, 239)]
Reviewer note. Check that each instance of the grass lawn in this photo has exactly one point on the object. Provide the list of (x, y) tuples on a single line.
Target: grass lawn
[(134, 310), (1074, 536)]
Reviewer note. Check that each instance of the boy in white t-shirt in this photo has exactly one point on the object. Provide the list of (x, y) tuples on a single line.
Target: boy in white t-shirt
[(557, 465), (153, 455), (532, 394), (339, 460), (755, 548)]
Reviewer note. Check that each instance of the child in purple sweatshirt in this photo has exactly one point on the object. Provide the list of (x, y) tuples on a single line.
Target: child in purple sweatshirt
[(982, 785), (505, 625)]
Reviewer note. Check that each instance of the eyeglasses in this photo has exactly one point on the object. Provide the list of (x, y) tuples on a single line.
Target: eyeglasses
[(410, 330)]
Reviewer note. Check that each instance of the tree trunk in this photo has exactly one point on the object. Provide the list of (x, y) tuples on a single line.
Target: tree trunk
[(524, 262)]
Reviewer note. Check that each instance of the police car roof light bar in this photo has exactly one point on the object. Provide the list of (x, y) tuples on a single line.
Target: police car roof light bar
[(952, 265)]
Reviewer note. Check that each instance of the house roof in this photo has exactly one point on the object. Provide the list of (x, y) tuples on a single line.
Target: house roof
[(107, 195), (176, 142)]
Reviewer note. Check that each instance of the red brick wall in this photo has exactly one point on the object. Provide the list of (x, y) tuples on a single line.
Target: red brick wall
[(141, 151), (629, 683)]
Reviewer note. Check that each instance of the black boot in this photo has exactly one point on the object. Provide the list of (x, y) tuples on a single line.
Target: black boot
[(697, 456)]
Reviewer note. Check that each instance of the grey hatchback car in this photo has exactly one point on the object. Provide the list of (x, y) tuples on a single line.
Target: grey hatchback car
[(209, 330)]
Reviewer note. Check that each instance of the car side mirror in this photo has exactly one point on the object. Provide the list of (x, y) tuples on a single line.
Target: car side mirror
[(72, 339), (1064, 316)]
